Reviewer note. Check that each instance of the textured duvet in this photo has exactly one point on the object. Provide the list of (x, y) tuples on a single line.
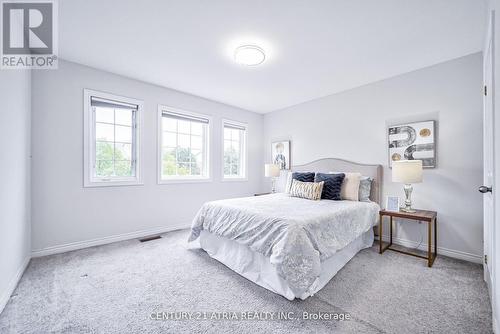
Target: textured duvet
[(296, 234)]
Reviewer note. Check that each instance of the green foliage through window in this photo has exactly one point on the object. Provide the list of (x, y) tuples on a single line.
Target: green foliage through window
[(181, 161), (111, 161), (231, 161), (234, 148)]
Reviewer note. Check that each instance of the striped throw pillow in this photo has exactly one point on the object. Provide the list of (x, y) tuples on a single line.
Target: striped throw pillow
[(308, 190)]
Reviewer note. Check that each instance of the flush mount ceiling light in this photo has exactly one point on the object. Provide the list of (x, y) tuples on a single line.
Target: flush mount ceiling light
[(249, 55)]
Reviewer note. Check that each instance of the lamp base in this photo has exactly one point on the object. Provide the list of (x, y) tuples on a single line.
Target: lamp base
[(409, 210)]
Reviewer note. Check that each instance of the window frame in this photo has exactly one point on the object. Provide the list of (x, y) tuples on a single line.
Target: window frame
[(207, 147), (243, 145), (89, 142)]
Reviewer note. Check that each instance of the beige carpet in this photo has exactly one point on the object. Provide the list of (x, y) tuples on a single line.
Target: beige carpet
[(115, 289)]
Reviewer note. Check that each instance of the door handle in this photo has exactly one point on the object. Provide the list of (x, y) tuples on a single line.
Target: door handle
[(485, 189)]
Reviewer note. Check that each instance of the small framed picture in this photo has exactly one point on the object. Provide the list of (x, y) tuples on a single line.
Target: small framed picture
[(280, 151), (392, 203)]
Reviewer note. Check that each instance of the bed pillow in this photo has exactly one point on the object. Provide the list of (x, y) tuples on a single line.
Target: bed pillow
[(308, 190), (332, 186), (350, 187), (365, 187), (298, 176), (303, 176)]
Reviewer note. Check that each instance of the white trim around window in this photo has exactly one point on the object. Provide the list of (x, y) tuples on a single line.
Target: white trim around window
[(206, 168), (92, 99), (243, 149)]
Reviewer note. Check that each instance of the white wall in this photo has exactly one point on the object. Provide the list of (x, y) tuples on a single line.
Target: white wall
[(64, 212), (352, 125), (15, 123)]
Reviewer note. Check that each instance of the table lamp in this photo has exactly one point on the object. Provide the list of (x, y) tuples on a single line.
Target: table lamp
[(407, 172), (272, 171)]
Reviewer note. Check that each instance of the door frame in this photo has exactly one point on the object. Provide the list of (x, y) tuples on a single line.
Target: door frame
[(494, 262), (488, 231)]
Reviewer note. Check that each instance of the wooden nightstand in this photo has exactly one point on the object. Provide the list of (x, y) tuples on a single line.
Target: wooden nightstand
[(262, 194), (420, 215)]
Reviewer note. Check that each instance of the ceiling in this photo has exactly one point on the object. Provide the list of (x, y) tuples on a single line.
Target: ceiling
[(313, 48)]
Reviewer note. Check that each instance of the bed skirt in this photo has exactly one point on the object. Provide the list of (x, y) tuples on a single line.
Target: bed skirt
[(258, 269)]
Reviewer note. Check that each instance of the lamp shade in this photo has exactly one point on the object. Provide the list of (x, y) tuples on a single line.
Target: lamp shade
[(271, 170), (407, 171)]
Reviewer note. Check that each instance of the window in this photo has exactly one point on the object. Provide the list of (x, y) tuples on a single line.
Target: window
[(111, 140), (183, 145), (234, 150)]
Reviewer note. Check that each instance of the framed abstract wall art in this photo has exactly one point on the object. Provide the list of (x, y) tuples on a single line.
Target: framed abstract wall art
[(413, 141)]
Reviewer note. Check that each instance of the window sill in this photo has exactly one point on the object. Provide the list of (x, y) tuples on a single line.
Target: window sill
[(99, 184), (177, 181), (234, 179)]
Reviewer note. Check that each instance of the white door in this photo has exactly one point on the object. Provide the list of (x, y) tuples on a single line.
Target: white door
[(488, 172)]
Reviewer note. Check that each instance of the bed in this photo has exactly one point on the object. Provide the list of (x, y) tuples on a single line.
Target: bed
[(289, 245)]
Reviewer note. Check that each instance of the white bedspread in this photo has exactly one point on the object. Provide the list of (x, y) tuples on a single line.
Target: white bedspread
[(296, 234)]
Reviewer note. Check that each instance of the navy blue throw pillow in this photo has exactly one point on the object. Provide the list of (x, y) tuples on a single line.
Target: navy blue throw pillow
[(332, 186), (303, 177)]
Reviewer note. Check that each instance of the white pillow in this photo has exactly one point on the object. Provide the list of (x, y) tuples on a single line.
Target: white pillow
[(350, 187), (288, 184)]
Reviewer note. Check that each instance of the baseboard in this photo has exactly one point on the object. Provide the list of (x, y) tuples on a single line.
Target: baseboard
[(441, 250), (4, 299), (105, 240), (142, 233)]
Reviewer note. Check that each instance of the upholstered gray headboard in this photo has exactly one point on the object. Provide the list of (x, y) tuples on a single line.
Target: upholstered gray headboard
[(339, 165)]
